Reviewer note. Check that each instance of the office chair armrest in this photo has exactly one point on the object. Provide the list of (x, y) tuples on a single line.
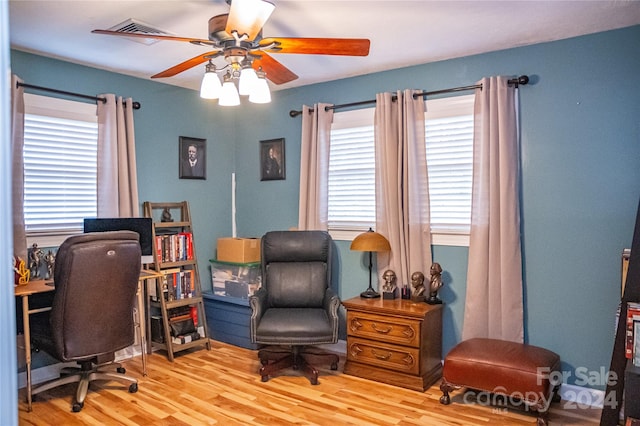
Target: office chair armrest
[(331, 303)]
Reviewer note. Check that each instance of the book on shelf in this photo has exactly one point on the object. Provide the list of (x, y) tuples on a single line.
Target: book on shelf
[(185, 338), (632, 343), (177, 284), (174, 247)]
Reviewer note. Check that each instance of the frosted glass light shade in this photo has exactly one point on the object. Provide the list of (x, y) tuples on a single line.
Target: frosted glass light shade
[(248, 79), (249, 16), (210, 87), (261, 93), (229, 94)]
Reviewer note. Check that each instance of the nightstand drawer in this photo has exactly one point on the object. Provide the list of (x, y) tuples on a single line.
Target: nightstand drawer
[(398, 358), (386, 329)]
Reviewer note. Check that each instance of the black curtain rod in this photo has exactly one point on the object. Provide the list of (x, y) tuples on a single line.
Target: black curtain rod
[(523, 79), (136, 105)]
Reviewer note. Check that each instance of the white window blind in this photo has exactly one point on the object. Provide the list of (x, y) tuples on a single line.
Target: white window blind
[(351, 190), (449, 144), (60, 161)]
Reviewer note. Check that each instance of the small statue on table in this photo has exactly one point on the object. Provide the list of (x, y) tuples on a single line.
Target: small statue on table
[(389, 288), (49, 260), (435, 284), (417, 282), (35, 260)]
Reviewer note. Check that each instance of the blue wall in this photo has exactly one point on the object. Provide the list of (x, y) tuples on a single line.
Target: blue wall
[(580, 144)]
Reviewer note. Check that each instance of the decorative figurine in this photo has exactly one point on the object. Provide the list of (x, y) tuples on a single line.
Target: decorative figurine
[(435, 284), (35, 260), (166, 215), (417, 282), (49, 260), (389, 289), (20, 271)]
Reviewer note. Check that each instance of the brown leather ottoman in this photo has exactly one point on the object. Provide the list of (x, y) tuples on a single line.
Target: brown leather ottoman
[(517, 371)]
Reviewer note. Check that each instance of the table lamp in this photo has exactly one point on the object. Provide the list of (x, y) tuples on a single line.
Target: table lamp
[(370, 241)]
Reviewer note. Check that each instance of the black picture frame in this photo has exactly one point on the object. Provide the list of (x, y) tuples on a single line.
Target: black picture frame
[(199, 171), (272, 159)]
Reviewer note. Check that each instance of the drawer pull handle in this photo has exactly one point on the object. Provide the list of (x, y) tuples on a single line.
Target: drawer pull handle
[(381, 330), (380, 356), (409, 332), (355, 324), (355, 350)]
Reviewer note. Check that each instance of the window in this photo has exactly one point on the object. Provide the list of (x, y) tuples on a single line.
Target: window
[(449, 145), (60, 163)]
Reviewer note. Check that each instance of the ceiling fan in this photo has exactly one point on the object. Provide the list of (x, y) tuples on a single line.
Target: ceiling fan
[(237, 36)]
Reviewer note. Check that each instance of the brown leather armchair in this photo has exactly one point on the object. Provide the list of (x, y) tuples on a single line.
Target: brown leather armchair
[(96, 279), (296, 307)]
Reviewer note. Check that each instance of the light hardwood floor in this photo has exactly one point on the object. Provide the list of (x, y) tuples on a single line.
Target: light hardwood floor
[(222, 387)]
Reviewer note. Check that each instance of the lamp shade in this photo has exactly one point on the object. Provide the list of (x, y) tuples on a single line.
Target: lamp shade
[(248, 17), (229, 94), (370, 241), (247, 82), (211, 87), (260, 93)]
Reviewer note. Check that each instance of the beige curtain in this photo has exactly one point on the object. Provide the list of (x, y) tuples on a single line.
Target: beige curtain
[(313, 207), (117, 177), (493, 306), (402, 189), (17, 171)]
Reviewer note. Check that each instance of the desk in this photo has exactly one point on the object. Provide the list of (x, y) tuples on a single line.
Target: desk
[(24, 291), (42, 286)]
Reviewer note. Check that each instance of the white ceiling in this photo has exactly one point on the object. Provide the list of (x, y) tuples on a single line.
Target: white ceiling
[(402, 33)]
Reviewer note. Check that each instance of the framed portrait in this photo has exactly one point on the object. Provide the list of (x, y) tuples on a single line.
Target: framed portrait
[(192, 158), (272, 159)]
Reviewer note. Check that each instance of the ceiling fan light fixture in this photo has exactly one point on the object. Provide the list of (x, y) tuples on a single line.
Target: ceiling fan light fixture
[(260, 93), (249, 16), (248, 79), (229, 94), (211, 86)]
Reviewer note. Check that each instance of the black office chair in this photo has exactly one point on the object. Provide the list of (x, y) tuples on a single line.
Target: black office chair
[(296, 306), (96, 279)]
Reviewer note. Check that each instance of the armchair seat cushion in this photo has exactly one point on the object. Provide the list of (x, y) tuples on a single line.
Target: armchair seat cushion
[(289, 325)]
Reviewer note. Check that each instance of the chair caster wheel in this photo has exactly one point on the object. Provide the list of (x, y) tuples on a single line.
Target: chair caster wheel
[(265, 378), (445, 400), (121, 370), (314, 382), (77, 406), (133, 388)]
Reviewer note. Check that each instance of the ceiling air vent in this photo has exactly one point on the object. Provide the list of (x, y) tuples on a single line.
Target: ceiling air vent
[(138, 27)]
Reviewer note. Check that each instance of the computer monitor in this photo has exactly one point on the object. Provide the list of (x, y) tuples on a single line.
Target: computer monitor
[(141, 225)]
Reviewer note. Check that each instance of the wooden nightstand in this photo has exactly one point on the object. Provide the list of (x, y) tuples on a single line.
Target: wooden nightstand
[(398, 342)]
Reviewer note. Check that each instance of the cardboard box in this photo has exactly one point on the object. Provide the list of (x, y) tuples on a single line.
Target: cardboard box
[(239, 250), (235, 279)]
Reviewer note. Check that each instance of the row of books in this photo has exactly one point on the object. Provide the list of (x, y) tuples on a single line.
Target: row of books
[(176, 284), (174, 247), (632, 348)]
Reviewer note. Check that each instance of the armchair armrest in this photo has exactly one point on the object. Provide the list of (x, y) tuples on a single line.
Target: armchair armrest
[(331, 303), (258, 303)]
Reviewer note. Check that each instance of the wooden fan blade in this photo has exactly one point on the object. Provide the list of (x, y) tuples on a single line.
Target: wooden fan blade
[(318, 46), (153, 36), (248, 17), (276, 72), (190, 63)]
